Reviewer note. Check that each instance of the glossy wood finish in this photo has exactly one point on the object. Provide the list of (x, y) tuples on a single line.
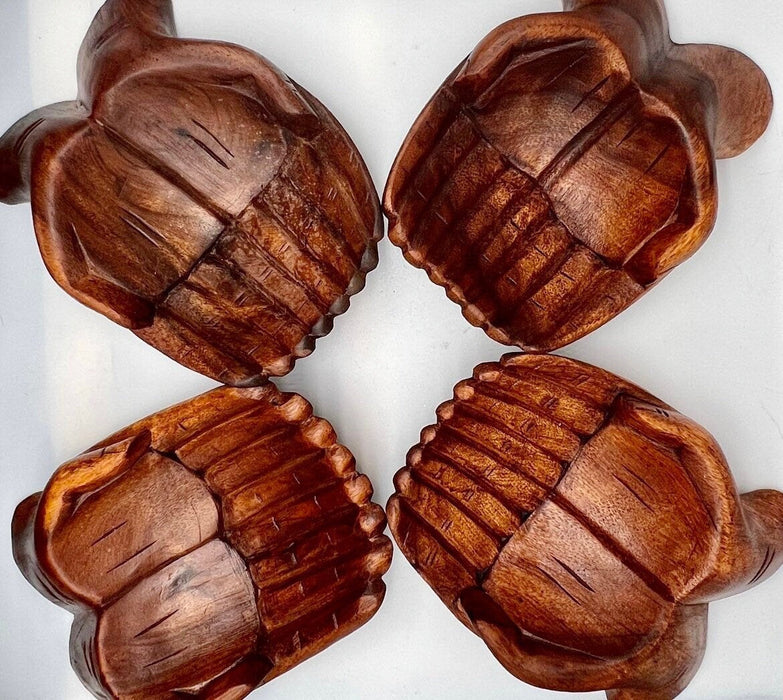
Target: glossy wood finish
[(580, 526), (567, 165), (208, 548), (195, 195)]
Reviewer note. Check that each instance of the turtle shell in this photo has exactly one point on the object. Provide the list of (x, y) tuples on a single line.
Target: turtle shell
[(567, 165), (579, 525), (197, 196), (208, 548)]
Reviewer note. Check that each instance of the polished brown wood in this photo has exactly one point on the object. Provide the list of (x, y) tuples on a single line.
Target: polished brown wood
[(208, 548), (194, 194), (580, 526), (567, 165)]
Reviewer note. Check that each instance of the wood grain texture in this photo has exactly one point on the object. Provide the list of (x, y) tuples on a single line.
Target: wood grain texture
[(195, 195), (567, 165), (208, 548), (580, 526)]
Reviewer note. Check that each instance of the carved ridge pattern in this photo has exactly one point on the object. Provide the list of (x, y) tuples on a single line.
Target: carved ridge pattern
[(447, 117), (506, 394), (428, 450), (484, 235), (494, 453), (602, 580), (313, 454), (325, 270), (427, 250), (505, 430), (463, 168), (477, 514), (290, 510), (484, 478), (275, 302), (442, 250), (281, 269), (142, 214), (536, 418), (334, 231), (477, 291), (560, 130)]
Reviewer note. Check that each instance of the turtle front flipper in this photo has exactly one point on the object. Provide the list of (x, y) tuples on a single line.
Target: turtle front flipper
[(20, 143), (115, 16), (530, 659), (85, 474), (664, 670), (128, 37), (752, 551), (42, 514), (742, 100), (120, 35), (743, 106), (749, 546), (659, 671)]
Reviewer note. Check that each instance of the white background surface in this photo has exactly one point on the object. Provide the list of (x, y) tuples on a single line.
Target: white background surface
[(708, 340)]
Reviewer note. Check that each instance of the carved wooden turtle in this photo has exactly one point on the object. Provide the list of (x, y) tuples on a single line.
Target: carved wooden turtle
[(208, 548), (580, 526), (567, 165), (195, 195)]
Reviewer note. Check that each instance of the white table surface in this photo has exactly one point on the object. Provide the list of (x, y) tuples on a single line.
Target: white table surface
[(708, 340)]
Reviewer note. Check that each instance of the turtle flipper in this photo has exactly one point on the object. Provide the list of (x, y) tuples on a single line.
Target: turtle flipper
[(743, 95), (28, 154), (146, 16), (87, 473), (663, 670), (659, 671), (20, 143), (129, 37), (764, 515), (750, 528), (119, 35), (649, 14), (752, 552), (42, 513), (530, 659)]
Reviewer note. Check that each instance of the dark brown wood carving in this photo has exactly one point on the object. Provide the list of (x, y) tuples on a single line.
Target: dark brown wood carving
[(567, 165), (208, 548), (580, 526), (195, 195)]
